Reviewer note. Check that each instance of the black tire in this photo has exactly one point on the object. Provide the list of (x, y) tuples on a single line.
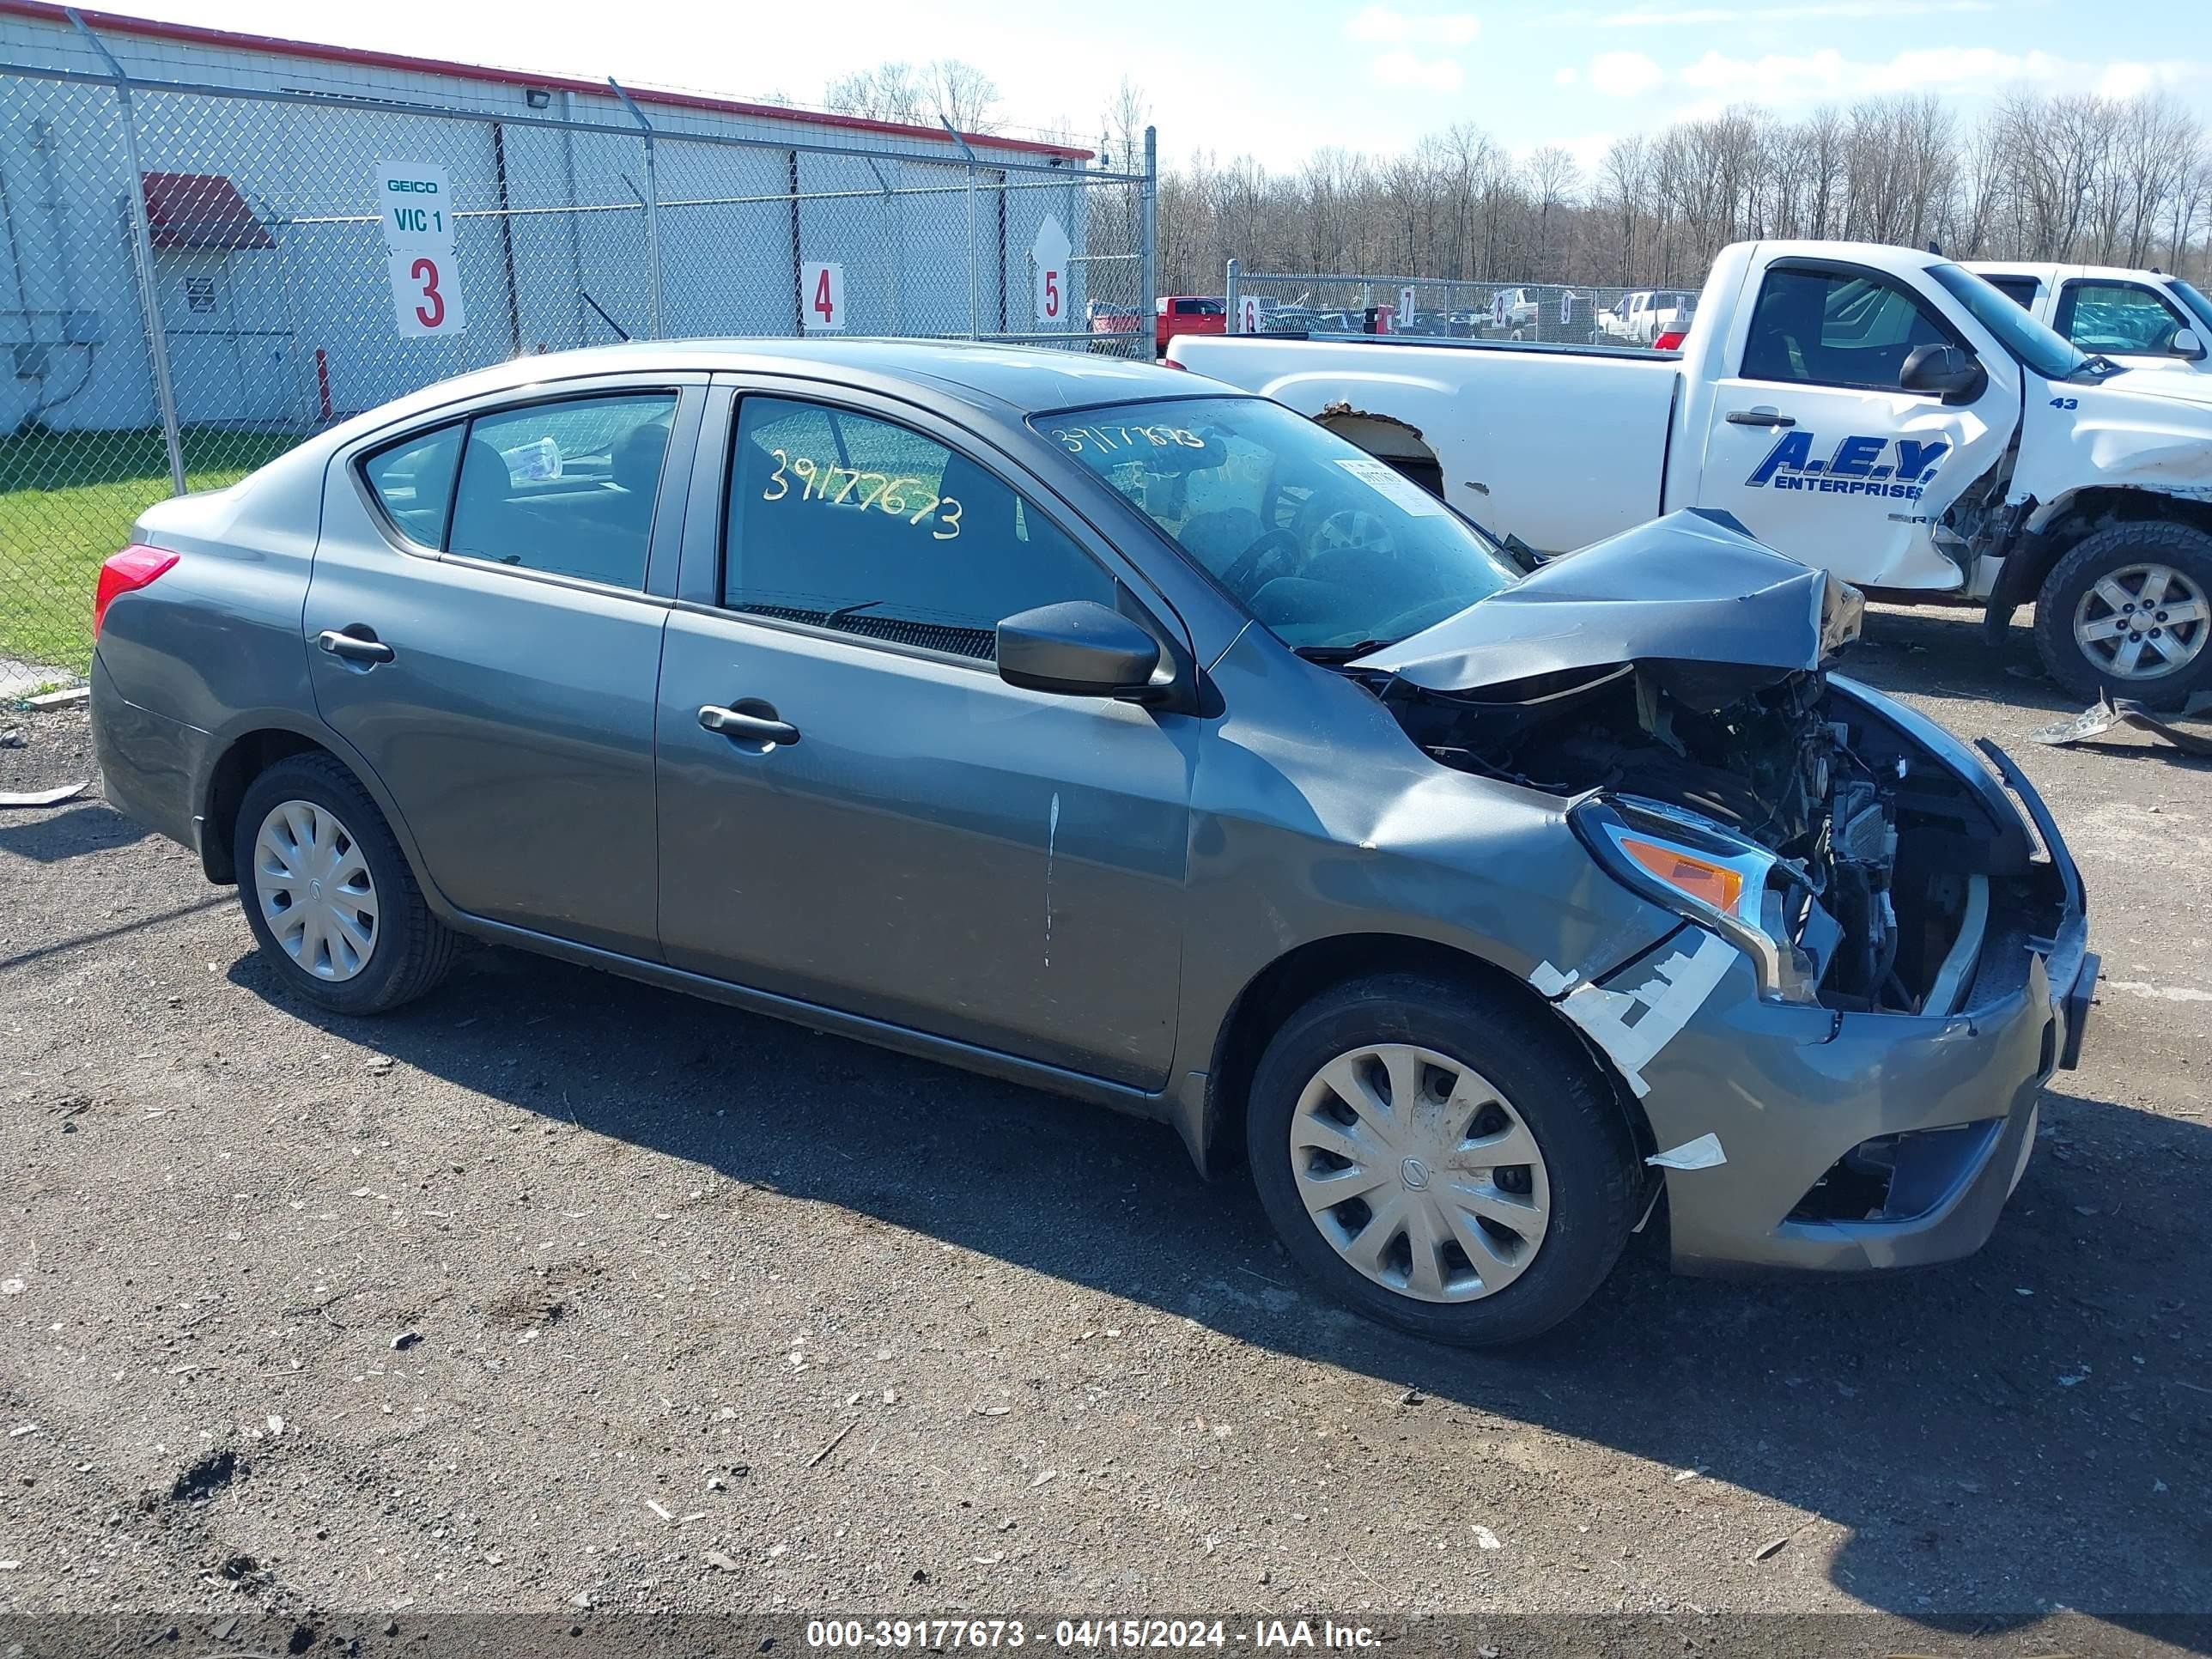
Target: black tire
[(2187, 551), (412, 948), (1553, 1084)]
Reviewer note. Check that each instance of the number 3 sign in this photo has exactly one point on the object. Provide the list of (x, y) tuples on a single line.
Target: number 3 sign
[(414, 200)]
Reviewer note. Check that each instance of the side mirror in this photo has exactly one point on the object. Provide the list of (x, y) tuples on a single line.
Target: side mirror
[(2188, 344), (1079, 649), (1944, 371)]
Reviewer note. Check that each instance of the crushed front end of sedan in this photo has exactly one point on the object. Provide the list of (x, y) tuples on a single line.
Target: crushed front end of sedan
[(1884, 950)]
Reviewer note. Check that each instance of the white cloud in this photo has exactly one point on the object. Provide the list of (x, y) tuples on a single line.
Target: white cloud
[(2130, 80), (1624, 73), (1379, 25), (1723, 16), (1827, 73), (1567, 76), (1406, 69)]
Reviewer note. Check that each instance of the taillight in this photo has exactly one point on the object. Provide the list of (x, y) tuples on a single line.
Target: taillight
[(126, 572), (1671, 340)]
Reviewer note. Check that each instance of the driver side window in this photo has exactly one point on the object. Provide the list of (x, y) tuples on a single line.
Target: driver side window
[(2117, 317), (842, 520), (1835, 328)]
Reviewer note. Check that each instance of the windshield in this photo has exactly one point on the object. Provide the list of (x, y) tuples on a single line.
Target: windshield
[(2045, 352), (2198, 305), (1325, 546)]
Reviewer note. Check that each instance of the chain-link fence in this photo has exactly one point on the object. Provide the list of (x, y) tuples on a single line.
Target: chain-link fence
[(194, 278), (1544, 313)]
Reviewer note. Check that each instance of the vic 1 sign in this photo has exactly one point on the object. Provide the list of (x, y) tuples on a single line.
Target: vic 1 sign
[(414, 200), (822, 297)]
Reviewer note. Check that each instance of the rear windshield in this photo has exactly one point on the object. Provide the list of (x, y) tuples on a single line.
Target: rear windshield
[(1323, 544)]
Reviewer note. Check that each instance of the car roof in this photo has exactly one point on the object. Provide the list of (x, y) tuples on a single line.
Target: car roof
[(1009, 381)]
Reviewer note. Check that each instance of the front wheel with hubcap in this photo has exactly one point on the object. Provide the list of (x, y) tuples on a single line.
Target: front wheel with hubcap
[(328, 894), (1442, 1157), (2128, 612)]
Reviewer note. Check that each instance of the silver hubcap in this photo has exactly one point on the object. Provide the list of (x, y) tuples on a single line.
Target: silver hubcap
[(315, 890), (1419, 1173), (2142, 622)]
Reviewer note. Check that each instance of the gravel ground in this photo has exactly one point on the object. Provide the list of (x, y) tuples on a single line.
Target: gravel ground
[(556, 1290)]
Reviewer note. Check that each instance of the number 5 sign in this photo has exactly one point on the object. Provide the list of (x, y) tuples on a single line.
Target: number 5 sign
[(821, 296), (415, 201), (1050, 251)]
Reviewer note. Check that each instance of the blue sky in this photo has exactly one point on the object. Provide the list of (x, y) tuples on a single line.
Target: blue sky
[(1275, 78)]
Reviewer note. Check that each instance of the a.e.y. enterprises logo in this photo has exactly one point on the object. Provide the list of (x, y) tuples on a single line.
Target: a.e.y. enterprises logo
[(1894, 469)]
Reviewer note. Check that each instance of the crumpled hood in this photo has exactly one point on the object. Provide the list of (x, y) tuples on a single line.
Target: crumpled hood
[(1693, 586)]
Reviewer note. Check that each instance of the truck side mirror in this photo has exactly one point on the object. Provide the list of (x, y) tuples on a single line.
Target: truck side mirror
[(1943, 371), (2188, 344)]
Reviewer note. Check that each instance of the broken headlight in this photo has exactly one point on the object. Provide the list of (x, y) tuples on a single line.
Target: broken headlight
[(1692, 867)]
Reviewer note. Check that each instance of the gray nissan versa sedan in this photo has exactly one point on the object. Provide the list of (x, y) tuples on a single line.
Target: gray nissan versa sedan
[(1088, 725)]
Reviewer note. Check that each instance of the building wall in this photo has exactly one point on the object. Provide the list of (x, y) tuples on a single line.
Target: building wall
[(540, 240)]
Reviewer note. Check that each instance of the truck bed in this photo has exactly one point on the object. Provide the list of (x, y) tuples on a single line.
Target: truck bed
[(1568, 443)]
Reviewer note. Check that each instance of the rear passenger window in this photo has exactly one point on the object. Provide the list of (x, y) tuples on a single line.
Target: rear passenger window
[(1835, 328), (849, 522), (566, 487), (413, 481), (2020, 290)]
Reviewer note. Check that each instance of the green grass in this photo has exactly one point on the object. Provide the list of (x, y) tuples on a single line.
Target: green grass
[(69, 499)]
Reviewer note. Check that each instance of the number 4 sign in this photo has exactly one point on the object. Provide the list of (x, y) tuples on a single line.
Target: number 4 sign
[(821, 296), (415, 201)]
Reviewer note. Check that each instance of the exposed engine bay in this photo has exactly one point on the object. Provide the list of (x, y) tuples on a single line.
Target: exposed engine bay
[(1883, 856)]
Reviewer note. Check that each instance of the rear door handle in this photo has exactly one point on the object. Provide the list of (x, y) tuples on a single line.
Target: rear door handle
[(1761, 416), (746, 728), (355, 648)]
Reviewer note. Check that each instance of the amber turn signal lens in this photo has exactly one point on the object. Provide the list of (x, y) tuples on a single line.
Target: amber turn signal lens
[(1708, 883)]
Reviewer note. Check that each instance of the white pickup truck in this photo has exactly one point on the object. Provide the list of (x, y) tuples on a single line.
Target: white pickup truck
[(2143, 318), (1882, 413)]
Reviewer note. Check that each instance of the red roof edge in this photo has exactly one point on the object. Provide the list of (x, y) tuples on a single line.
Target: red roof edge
[(237, 40)]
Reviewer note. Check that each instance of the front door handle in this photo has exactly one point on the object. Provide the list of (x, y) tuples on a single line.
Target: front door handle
[(746, 728), (353, 648), (1761, 416)]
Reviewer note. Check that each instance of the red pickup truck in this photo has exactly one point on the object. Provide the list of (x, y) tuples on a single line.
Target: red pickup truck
[(1188, 313)]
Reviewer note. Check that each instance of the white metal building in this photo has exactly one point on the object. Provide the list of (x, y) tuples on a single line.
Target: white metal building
[(257, 162)]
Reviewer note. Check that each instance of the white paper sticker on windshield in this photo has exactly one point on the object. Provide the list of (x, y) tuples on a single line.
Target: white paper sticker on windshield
[(1400, 490)]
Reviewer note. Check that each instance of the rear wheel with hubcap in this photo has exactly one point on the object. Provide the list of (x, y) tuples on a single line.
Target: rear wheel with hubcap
[(327, 892), (1442, 1157), (2128, 612)]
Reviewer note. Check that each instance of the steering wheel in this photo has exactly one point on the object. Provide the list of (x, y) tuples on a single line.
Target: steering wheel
[(1276, 543)]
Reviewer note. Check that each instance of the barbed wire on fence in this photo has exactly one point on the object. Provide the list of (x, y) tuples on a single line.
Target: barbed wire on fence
[(202, 276)]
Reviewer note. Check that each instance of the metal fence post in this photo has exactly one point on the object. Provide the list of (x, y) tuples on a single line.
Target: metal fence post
[(1148, 246), (652, 211), (1229, 295), (971, 154), (142, 249)]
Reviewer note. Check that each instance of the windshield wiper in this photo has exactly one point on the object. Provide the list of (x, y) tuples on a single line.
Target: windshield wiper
[(1329, 656)]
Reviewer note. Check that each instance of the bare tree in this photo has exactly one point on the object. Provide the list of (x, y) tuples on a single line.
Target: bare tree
[(945, 90), (2072, 177)]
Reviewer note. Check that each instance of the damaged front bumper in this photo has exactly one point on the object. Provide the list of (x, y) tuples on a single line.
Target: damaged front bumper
[(1806, 1138)]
